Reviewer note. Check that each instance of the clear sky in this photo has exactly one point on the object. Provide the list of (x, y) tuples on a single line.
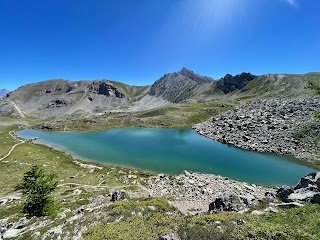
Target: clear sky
[(137, 41)]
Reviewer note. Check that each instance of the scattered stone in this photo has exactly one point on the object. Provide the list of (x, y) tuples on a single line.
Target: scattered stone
[(78, 211), (152, 208), (258, 212), (269, 125), (241, 222), (9, 198), (98, 200), (289, 205), (77, 192)]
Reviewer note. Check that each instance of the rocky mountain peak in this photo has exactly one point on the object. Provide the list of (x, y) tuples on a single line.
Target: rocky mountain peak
[(194, 77), (184, 71)]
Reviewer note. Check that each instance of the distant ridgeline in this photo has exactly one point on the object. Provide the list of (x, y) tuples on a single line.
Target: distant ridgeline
[(4, 92), (59, 97)]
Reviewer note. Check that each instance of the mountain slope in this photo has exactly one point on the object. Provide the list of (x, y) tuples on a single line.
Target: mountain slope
[(59, 97), (248, 86), (179, 86)]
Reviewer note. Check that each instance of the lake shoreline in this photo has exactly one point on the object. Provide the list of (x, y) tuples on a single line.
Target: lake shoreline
[(241, 177), (198, 129)]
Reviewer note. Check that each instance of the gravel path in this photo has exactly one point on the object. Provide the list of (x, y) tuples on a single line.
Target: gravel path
[(13, 147)]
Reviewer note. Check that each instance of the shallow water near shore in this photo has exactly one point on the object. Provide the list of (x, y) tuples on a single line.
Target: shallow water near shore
[(172, 151)]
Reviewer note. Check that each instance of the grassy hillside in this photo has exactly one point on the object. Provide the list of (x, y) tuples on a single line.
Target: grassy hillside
[(299, 223), (174, 115)]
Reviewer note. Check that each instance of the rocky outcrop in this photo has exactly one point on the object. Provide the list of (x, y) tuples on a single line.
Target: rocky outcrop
[(178, 86), (118, 196), (194, 192), (306, 191), (103, 88), (57, 103), (282, 126), (231, 83), (230, 203)]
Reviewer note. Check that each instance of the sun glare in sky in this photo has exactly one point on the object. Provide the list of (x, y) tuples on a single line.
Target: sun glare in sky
[(136, 42)]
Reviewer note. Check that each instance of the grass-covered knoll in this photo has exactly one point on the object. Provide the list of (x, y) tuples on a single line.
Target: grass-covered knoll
[(135, 220), (313, 81), (277, 85), (317, 115), (274, 86)]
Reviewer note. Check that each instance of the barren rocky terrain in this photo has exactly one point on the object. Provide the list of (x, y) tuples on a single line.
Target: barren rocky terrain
[(282, 126)]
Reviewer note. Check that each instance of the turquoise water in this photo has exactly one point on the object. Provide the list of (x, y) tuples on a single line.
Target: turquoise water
[(172, 151)]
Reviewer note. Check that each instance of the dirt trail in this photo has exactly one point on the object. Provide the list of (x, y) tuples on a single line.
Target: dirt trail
[(13, 147)]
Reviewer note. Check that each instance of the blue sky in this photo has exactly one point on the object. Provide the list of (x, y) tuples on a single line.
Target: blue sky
[(138, 41)]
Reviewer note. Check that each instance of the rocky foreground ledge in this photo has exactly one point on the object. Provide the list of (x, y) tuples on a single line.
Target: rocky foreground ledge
[(191, 193), (196, 192), (282, 126)]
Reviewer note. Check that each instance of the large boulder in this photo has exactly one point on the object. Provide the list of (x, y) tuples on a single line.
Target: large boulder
[(306, 191), (310, 180), (229, 203), (284, 192), (118, 195)]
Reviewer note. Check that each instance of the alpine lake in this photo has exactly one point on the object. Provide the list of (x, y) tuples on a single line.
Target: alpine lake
[(171, 151)]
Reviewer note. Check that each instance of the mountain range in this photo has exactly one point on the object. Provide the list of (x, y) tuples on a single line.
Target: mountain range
[(3, 92), (59, 97)]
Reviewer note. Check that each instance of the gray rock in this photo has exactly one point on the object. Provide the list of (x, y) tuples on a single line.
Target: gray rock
[(118, 195), (284, 192), (152, 208), (316, 198), (241, 221), (11, 233), (312, 179), (78, 211), (230, 203), (3, 224), (21, 223), (98, 200), (168, 236), (306, 191), (289, 205)]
